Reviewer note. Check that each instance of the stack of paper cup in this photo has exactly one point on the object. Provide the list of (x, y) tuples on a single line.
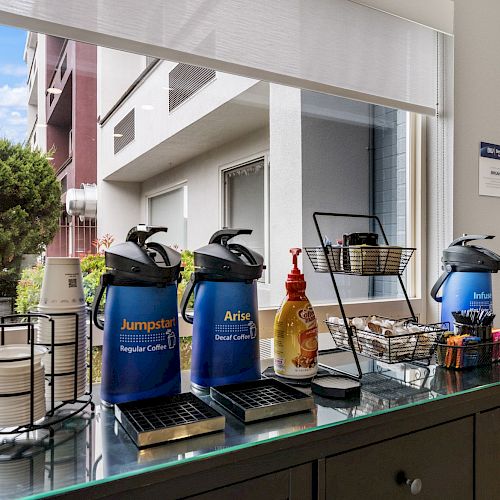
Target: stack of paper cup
[(62, 298), (15, 377), (24, 476)]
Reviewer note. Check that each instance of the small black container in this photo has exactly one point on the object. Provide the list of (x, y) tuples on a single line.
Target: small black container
[(370, 239)]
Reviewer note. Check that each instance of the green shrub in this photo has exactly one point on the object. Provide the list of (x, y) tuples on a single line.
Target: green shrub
[(187, 258), (30, 206), (28, 289), (93, 267)]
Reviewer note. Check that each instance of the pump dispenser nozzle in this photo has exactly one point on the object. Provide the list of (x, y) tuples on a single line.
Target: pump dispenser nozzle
[(295, 253), (295, 281)]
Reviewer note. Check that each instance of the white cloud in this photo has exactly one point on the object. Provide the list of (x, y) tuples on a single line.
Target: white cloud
[(16, 118), (13, 108), (13, 70), (13, 96)]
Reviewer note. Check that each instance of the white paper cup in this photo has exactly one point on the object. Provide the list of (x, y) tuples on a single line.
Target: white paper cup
[(390, 259), (364, 258), (64, 387), (62, 286), (22, 477), (16, 410), (334, 257)]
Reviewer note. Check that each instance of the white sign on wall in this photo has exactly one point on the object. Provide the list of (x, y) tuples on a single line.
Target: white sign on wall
[(489, 169)]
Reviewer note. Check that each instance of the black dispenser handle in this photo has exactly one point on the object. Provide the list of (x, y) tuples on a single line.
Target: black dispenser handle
[(188, 318), (470, 237), (437, 286), (224, 235), (98, 299), (140, 233)]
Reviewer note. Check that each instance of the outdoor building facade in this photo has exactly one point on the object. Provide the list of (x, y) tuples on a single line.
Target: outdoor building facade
[(62, 115), (177, 140)]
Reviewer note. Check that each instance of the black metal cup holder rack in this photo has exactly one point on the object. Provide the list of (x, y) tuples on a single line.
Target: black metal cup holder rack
[(359, 260), (58, 411)]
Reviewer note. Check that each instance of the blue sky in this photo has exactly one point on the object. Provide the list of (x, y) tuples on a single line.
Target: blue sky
[(12, 84)]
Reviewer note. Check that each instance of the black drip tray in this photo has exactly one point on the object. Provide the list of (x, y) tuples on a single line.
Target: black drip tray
[(261, 399), (154, 421)]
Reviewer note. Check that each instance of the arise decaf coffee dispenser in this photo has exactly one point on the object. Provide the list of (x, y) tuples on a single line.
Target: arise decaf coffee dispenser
[(466, 280), (225, 346), (140, 358)]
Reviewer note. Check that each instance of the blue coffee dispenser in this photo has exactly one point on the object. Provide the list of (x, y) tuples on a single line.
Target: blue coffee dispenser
[(466, 280), (225, 347), (140, 357)]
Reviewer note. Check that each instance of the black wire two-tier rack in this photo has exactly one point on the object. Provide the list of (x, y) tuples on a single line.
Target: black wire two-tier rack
[(415, 341)]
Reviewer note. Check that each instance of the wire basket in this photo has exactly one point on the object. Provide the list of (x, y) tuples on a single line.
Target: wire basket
[(389, 348), (467, 356), (360, 260)]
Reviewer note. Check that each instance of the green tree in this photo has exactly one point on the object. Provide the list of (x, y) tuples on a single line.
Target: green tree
[(30, 203)]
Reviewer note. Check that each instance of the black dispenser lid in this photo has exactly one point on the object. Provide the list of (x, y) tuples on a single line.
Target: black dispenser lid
[(142, 262), (460, 256), (221, 260)]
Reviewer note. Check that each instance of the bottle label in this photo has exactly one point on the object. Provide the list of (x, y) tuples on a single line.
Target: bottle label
[(296, 341)]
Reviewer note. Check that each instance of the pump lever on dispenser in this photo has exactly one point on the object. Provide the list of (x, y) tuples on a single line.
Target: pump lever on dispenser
[(140, 233), (470, 237), (225, 234)]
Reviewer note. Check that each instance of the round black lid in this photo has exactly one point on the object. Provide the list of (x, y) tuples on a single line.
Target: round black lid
[(460, 256), (221, 260), (141, 262)]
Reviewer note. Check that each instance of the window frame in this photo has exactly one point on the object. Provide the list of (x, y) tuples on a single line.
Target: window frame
[(164, 190), (265, 280)]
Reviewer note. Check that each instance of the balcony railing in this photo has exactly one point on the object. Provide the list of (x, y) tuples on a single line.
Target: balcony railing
[(32, 131), (59, 61)]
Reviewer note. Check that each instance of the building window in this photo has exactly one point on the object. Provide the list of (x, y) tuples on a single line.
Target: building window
[(169, 209), (389, 185), (356, 160), (245, 203)]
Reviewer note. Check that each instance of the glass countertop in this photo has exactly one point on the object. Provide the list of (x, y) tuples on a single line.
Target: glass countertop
[(94, 448)]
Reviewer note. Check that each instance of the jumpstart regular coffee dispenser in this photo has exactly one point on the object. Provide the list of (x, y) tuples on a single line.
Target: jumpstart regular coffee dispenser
[(466, 280), (225, 347), (141, 336)]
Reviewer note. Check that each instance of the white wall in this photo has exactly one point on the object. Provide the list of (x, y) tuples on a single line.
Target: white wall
[(157, 124), (118, 208), (202, 176), (116, 71), (285, 193), (477, 117)]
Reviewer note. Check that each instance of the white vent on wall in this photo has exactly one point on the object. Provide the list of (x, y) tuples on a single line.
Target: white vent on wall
[(124, 131), (184, 81)]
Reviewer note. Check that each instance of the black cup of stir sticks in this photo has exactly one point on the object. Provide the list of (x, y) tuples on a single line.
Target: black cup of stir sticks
[(476, 322)]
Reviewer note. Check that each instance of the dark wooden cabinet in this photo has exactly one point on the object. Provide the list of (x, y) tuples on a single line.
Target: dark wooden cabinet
[(451, 445), (487, 455), (441, 458), (291, 484)]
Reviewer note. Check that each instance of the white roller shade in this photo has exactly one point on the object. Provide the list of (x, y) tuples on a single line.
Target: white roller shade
[(333, 46)]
